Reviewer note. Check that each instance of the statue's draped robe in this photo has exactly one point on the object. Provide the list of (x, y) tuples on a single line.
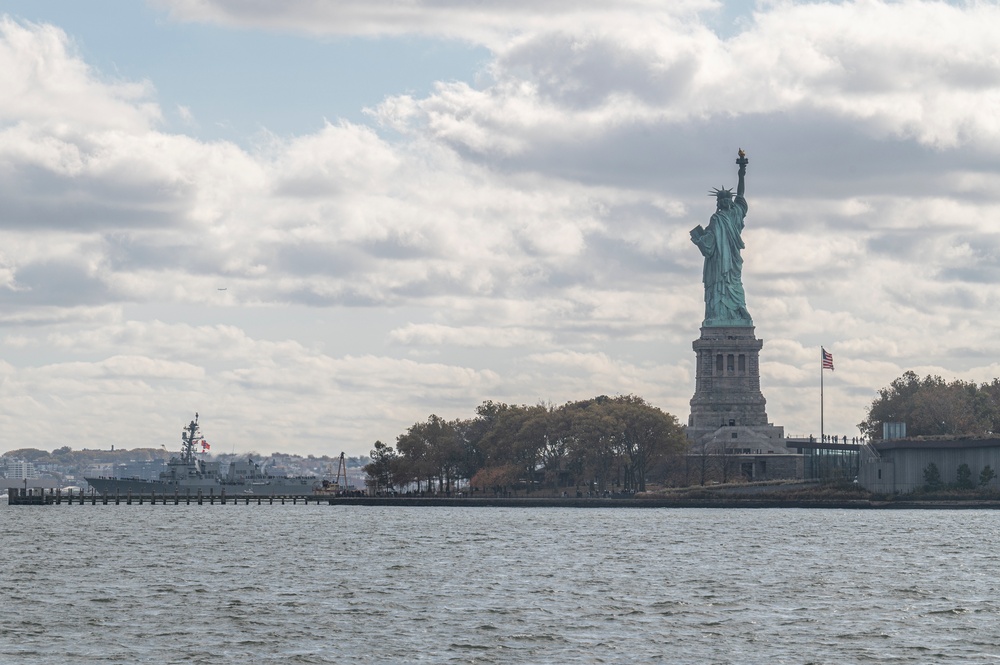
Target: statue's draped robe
[(725, 301)]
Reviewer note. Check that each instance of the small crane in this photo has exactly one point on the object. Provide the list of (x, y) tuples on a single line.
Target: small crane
[(341, 470), (337, 485)]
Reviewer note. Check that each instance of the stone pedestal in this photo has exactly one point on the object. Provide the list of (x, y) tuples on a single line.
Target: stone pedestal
[(727, 399)]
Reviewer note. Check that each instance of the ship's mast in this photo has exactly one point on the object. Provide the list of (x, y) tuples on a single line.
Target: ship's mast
[(189, 436), (342, 468)]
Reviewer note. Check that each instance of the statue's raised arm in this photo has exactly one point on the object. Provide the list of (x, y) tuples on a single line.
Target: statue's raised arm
[(742, 161), (720, 244)]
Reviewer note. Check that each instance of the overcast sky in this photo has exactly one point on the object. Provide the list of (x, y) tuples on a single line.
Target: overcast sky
[(318, 223)]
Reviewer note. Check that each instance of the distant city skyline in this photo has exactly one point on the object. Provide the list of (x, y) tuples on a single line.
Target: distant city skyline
[(318, 223)]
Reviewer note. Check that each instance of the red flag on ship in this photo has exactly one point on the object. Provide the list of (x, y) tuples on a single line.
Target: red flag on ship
[(827, 359), (204, 445)]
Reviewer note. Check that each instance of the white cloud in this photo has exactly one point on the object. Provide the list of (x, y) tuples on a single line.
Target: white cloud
[(44, 82), (469, 336), (185, 114), (483, 22)]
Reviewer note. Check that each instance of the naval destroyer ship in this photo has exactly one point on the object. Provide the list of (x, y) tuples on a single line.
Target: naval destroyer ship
[(188, 475)]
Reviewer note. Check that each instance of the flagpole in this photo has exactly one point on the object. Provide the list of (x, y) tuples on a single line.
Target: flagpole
[(821, 436)]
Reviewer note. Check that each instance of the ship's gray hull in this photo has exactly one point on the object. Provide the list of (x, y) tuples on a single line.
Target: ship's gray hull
[(276, 486)]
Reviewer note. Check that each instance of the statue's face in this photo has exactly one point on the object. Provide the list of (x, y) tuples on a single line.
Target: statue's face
[(725, 203)]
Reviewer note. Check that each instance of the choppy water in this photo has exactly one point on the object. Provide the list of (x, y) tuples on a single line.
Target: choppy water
[(336, 584)]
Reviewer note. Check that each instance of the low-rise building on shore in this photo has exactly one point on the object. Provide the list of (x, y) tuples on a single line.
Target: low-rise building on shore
[(901, 465)]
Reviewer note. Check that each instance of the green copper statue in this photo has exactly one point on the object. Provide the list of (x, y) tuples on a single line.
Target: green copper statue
[(720, 244)]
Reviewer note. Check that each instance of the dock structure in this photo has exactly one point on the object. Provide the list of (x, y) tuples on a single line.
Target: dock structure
[(40, 497)]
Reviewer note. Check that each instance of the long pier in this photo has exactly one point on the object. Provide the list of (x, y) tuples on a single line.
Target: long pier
[(30, 497)]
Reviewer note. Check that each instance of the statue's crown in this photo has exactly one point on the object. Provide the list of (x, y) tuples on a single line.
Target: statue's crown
[(719, 193)]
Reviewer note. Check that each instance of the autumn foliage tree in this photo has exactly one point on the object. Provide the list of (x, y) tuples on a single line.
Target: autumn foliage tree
[(604, 443), (431, 451), (933, 407), (382, 468)]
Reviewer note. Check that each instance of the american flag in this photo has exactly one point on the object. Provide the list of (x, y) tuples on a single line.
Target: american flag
[(827, 359)]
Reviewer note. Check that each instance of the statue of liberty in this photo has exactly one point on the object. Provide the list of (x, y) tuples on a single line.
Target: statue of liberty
[(720, 244)]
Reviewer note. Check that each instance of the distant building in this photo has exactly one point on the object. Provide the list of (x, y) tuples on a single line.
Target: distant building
[(898, 465), (17, 469)]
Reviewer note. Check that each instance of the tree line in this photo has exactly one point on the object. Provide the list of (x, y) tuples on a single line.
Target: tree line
[(66, 456), (933, 407), (604, 444)]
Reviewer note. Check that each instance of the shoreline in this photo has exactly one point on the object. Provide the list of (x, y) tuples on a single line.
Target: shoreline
[(770, 495), (556, 502)]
